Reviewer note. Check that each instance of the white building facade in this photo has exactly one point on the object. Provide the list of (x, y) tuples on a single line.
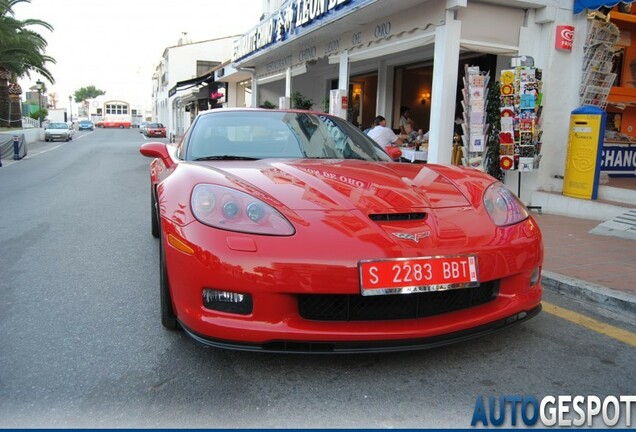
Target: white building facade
[(384, 54), (179, 77)]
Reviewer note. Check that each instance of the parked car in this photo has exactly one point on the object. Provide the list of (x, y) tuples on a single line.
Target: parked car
[(294, 231), (86, 125), (58, 131), (155, 130), (142, 127)]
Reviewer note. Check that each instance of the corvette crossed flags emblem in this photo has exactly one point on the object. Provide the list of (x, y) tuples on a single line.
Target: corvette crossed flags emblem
[(415, 237)]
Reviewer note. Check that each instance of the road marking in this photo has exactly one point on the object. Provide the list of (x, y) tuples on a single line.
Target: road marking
[(29, 155), (45, 151), (619, 334)]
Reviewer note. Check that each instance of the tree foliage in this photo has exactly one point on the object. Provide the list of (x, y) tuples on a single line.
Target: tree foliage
[(85, 93), (22, 51), (301, 102)]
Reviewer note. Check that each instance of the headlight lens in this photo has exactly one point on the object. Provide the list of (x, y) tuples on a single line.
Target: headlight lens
[(232, 210), (503, 206)]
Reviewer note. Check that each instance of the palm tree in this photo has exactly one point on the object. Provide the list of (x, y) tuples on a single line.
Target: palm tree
[(21, 52)]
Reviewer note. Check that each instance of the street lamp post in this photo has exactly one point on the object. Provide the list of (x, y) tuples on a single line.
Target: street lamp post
[(70, 105), (39, 85)]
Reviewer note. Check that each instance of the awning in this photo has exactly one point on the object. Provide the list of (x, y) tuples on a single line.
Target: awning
[(192, 82), (403, 41), (581, 5)]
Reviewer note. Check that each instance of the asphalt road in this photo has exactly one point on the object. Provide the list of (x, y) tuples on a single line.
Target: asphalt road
[(81, 344)]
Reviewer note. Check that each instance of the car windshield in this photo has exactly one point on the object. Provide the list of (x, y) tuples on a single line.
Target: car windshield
[(85, 122), (58, 126), (155, 125), (277, 134)]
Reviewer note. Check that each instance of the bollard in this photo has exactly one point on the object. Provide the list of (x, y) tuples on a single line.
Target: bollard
[(16, 147)]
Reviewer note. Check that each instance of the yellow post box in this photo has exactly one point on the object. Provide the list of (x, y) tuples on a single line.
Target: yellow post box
[(585, 148)]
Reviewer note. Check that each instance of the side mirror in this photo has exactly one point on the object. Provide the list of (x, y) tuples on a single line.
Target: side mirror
[(157, 150)]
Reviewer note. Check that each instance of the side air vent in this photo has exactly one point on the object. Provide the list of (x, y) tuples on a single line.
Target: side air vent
[(397, 217)]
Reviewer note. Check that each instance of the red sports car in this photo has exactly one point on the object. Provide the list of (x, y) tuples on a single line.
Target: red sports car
[(294, 231), (155, 130)]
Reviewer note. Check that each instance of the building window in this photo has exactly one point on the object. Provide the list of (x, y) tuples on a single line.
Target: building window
[(116, 109)]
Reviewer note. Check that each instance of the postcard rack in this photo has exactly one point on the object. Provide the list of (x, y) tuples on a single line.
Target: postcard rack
[(474, 126), (599, 51)]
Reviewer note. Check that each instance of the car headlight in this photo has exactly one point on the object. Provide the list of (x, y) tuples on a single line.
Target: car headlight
[(233, 210), (503, 206)]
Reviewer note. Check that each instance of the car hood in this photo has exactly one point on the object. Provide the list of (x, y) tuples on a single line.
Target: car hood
[(329, 184)]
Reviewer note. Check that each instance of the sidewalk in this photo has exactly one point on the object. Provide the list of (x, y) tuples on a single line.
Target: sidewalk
[(598, 268)]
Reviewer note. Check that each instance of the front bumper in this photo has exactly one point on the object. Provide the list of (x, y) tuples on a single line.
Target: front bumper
[(276, 280), (54, 137), (340, 347)]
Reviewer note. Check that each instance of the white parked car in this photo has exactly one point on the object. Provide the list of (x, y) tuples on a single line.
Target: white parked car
[(58, 131), (143, 127)]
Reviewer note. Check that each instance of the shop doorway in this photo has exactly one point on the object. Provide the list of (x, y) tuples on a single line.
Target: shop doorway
[(413, 85), (362, 99)]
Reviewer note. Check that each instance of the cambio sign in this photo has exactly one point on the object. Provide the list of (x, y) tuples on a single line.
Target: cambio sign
[(295, 14)]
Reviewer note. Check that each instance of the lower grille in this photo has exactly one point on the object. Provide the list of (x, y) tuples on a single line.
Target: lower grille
[(347, 307)]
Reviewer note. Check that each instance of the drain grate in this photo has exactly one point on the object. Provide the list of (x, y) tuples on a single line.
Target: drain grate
[(623, 226)]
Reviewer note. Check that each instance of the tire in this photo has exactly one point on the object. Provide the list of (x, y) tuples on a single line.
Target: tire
[(168, 317), (121, 126), (154, 214)]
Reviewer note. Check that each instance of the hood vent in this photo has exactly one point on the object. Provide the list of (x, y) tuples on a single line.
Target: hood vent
[(397, 217)]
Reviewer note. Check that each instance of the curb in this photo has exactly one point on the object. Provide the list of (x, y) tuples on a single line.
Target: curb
[(616, 301)]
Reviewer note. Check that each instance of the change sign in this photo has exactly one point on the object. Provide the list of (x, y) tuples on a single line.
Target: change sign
[(619, 161)]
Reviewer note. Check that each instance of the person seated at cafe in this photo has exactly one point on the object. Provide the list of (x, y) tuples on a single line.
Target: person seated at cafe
[(414, 138), (386, 137), (405, 117), (382, 134)]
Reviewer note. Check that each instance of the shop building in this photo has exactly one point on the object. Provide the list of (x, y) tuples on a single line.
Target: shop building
[(362, 58), (183, 81)]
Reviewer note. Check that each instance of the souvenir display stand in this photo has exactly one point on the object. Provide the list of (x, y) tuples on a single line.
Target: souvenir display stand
[(520, 116), (474, 126), (599, 51), (520, 136)]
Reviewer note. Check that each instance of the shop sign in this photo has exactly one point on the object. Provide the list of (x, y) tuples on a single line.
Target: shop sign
[(332, 46), (619, 160), (288, 21), (564, 37), (278, 64)]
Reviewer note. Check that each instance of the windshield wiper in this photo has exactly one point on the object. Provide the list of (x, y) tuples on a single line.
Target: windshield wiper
[(225, 157)]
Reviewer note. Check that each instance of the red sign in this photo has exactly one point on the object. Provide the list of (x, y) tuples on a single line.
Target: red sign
[(564, 37), (345, 102), (417, 274)]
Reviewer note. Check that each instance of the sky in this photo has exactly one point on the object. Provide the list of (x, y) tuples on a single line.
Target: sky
[(116, 45)]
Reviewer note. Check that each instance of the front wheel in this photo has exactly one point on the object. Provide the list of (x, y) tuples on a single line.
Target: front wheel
[(154, 214), (168, 317)]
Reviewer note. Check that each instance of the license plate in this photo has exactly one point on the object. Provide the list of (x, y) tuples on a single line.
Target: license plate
[(422, 274)]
